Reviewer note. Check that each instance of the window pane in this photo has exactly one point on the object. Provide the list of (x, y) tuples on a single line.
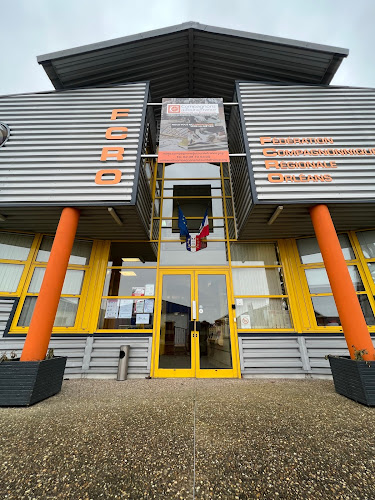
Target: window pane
[(15, 246), (116, 314), (127, 282), (254, 254), (371, 266), (258, 281), (10, 275), (262, 313), (367, 242), (133, 254), (326, 313), (318, 282), (65, 316), (72, 283), (191, 171), (175, 254), (80, 254), (309, 251)]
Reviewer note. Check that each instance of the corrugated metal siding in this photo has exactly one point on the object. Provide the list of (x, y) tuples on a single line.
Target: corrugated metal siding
[(193, 60), (6, 306), (345, 114), (94, 356), (239, 169), (56, 142), (289, 356)]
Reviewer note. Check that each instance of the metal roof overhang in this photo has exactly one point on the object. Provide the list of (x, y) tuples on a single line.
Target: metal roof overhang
[(193, 60)]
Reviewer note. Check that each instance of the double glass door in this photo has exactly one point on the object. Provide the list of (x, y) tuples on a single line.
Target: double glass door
[(195, 334)]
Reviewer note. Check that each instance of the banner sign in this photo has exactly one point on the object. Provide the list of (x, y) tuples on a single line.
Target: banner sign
[(193, 131)]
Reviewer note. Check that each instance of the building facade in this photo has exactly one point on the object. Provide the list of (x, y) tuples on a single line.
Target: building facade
[(255, 300)]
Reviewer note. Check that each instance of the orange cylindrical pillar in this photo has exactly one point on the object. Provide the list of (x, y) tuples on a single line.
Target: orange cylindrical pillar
[(39, 334), (350, 312)]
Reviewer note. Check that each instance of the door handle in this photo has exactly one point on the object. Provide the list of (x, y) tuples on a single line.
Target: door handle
[(197, 326), (191, 326), (194, 311)]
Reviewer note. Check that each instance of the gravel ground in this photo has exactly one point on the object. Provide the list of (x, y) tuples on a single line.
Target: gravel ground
[(208, 439)]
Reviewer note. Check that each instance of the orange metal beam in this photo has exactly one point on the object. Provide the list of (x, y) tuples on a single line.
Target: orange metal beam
[(350, 312), (38, 337)]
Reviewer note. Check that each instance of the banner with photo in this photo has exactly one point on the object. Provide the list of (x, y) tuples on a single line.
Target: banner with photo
[(193, 131)]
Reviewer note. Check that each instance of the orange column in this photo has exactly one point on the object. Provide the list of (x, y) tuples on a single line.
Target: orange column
[(350, 312), (38, 337)]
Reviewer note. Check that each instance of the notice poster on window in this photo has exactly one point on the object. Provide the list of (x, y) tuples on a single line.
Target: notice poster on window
[(193, 131), (126, 308), (142, 319), (149, 289), (111, 310), (149, 306)]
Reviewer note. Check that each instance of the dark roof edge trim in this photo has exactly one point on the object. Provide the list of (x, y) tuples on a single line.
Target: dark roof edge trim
[(191, 25)]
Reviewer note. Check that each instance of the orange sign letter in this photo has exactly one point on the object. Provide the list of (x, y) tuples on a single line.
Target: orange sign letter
[(99, 177), (108, 134), (119, 112), (117, 153)]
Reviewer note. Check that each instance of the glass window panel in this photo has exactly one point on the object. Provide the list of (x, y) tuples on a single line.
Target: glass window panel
[(72, 283), (366, 309), (175, 254), (367, 241), (133, 254), (128, 282), (262, 313), (326, 312), (171, 231), (214, 335), (259, 281), (318, 282), (122, 314), (371, 266), (10, 275), (309, 250), (193, 207), (80, 254), (175, 336), (65, 316), (15, 246), (191, 170), (254, 254)]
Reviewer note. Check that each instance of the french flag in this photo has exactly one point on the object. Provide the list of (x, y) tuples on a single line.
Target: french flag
[(204, 229)]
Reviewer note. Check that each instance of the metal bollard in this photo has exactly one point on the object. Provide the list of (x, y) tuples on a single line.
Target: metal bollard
[(122, 371)]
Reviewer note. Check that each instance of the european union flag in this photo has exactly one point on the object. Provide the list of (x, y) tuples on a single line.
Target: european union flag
[(182, 224)]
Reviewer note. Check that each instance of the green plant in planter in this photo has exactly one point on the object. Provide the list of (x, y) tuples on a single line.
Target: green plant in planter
[(358, 353), (4, 357), (50, 354)]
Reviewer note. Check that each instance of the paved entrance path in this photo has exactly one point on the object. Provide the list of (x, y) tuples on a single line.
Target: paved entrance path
[(184, 439)]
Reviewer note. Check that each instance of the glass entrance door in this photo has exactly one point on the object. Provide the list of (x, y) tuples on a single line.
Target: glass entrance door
[(195, 329)]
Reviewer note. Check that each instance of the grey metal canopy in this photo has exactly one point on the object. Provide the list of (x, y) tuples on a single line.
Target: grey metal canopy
[(193, 60)]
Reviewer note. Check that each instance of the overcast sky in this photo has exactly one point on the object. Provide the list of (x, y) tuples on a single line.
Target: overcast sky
[(30, 28)]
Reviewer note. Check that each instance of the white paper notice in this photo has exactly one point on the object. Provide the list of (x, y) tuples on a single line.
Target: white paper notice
[(126, 308), (111, 310), (139, 306), (239, 302), (149, 289), (142, 319), (245, 321), (149, 306)]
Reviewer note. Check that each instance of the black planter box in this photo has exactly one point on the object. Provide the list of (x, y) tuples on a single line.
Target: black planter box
[(24, 383), (354, 379)]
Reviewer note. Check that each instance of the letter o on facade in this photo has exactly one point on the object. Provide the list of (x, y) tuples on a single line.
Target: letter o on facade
[(275, 178), (99, 177)]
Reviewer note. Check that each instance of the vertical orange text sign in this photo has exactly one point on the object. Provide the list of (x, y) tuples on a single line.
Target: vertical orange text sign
[(110, 176)]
